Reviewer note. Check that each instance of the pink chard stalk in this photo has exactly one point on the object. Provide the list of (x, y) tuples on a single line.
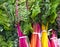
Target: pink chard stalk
[(49, 44), (54, 39), (22, 37), (38, 29)]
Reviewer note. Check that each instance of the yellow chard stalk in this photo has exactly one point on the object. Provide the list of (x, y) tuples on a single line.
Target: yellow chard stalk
[(44, 38)]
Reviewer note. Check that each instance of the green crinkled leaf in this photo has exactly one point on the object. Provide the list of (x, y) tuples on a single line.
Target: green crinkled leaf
[(3, 44), (1, 38), (10, 43), (7, 31), (4, 20), (7, 15), (23, 13), (11, 1), (35, 11), (53, 10), (26, 27), (50, 14), (2, 1), (53, 17), (44, 19)]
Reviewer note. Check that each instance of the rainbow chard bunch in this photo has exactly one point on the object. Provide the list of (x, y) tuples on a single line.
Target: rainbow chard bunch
[(48, 10), (22, 37), (35, 38)]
